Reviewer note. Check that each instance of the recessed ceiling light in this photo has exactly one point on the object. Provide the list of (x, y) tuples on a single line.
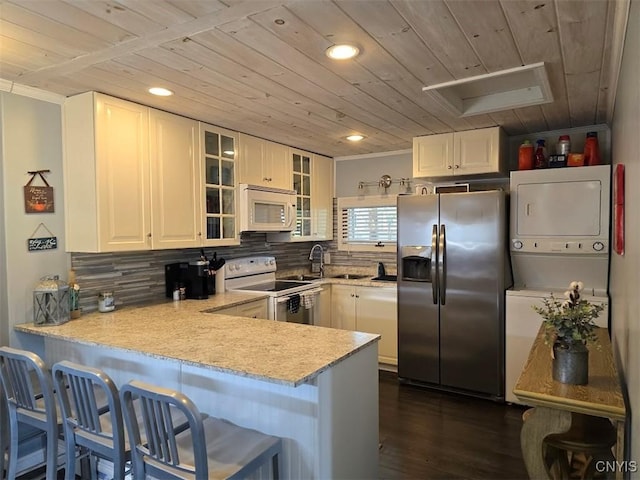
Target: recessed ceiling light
[(162, 92), (342, 51), (355, 138)]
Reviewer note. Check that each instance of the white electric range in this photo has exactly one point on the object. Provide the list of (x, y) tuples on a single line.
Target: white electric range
[(289, 301)]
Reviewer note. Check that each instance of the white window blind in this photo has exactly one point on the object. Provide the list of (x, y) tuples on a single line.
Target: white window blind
[(367, 224)]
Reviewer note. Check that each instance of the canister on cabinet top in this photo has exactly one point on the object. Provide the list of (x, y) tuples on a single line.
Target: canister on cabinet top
[(106, 302)]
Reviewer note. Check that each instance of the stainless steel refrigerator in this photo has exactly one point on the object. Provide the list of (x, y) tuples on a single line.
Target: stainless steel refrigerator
[(453, 270)]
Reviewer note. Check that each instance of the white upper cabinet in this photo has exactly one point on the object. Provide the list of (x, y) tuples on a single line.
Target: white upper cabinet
[(263, 163), (175, 190), (218, 183), (433, 155), (460, 153), (312, 180), (106, 174), (131, 177), (322, 198)]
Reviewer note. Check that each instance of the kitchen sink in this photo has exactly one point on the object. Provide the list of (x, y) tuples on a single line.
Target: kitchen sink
[(349, 276), (386, 278), (302, 278)]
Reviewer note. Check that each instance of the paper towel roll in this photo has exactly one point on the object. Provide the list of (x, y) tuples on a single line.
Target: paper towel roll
[(220, 280)]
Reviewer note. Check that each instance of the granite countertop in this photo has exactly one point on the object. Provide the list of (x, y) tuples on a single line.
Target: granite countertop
[(278, 352)]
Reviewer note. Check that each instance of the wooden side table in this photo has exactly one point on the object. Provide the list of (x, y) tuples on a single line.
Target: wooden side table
[(554, 401)]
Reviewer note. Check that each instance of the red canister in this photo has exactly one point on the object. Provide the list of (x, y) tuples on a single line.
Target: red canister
[(525, 156), (591, 149)]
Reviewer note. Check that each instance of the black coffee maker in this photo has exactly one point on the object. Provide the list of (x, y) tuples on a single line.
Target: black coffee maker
[(198, 281)]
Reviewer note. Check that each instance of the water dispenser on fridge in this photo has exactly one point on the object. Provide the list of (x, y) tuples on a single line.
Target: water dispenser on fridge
[(416, 263)]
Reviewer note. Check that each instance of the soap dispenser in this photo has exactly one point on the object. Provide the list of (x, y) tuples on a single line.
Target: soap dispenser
[(381, 270)]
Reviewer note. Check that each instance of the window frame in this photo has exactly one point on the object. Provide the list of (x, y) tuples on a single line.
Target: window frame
[(345, 203)]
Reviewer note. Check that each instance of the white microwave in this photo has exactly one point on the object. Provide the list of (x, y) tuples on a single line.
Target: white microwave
[(266, 209)]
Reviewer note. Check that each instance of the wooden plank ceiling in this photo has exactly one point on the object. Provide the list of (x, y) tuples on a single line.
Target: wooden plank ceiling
[(259, 66)]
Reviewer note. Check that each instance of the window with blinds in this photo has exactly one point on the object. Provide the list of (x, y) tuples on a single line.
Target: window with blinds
[(367, 223)]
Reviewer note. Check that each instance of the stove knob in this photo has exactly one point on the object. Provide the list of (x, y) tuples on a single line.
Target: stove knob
[(266, 261), (272, 262)]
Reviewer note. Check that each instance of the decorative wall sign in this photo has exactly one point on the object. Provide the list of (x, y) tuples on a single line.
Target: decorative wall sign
[(618, 209), (38, 199), (35, 244)]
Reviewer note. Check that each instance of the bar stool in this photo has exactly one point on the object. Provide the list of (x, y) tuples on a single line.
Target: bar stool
[(209, 449), (93, 430), (97, 431), (30, 401), (592, 436)]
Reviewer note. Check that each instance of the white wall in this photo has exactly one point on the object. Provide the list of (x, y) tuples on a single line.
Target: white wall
[(31, 140), (625, 270), (4, 309)]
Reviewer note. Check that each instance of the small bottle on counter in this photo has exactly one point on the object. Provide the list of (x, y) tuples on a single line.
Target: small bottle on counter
[(74, 295), (176, 292), (106, 302)]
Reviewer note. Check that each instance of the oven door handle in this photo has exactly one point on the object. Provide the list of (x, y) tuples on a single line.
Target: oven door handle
[(311, 291)]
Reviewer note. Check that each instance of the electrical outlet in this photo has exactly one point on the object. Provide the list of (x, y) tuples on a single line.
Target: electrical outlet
[(327, 258)]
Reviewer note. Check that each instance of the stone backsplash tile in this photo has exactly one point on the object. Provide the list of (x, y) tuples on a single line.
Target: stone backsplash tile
[(138, 277)]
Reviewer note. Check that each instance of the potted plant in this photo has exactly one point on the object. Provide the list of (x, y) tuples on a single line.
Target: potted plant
[(569, 326)]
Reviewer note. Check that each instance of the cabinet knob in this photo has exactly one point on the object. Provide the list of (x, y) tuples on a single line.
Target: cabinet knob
[(449, 167), (457, 166), (148, 235), (199, 234)]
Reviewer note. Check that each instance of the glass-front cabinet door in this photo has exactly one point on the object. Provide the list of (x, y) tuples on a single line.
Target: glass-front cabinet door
[(219, 153), (301, 165)]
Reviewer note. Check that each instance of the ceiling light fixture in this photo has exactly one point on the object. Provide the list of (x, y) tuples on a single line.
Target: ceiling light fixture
[(161, 92), (342, 52), (355, 138)]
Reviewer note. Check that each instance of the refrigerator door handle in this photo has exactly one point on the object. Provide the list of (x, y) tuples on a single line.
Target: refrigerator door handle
[(434, 262), (442, 267)]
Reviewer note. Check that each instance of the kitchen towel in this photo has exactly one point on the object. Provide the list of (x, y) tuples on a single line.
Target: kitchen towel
[(308, 298), (293, 303)]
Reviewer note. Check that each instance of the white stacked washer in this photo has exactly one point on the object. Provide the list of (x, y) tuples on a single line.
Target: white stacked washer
[(559, 231)]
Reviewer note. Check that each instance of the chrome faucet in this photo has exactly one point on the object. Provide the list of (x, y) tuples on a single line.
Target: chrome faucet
[(314, 265)]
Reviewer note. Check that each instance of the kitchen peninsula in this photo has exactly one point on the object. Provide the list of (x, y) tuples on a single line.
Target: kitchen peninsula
[(315, 387)]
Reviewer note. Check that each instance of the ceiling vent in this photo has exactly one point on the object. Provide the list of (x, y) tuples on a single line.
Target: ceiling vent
[(512, 88)]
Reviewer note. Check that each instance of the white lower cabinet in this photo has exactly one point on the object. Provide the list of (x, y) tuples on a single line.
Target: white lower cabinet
[(253, 309), (322, 312), (371, 310)]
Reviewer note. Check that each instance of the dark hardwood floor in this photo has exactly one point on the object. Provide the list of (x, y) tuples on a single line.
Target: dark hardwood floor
[(427, 434)]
